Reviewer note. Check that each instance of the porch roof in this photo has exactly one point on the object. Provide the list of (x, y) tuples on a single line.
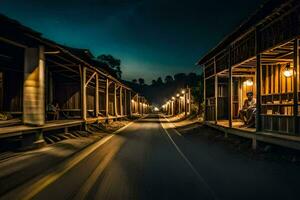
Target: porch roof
[(266, 12), (23, 36)]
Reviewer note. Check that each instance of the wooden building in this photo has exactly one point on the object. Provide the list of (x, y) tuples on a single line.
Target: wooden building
[(261, 56), (36, 72)]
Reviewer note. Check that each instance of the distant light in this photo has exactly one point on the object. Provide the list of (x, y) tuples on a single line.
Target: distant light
[(248, 82), (177, 95), (132, 100), (183, 91), (164, 106), (173, 98), (156, 109)]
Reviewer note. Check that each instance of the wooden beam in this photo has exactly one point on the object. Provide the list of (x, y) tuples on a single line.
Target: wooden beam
[(13, 43), (91, 77), (61, 65)]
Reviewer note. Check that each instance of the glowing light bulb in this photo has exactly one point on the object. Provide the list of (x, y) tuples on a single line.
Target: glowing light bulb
[(248, 82), (288, 72)]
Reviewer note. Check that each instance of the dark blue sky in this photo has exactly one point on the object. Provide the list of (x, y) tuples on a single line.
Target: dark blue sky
[(152, 37)]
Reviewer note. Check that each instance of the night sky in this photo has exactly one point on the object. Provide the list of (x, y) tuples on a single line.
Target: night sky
[(151, 37)]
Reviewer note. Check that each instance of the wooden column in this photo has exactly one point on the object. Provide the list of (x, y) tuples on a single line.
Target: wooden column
[(204, 94), (216, 98), (121, 101), (97, 95), (130, 104), (295, 76), (185, 103), (138, 104), (142, 106), (230, 96), (258, 93), (115, 101), (125, 103), (83, 93), (189, 95), (216, 92), (34, 86), (107, 98)]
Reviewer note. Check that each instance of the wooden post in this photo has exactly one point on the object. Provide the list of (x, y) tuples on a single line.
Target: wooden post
[(130, 108), (216, 99), (138, 104), (230, 96), (258, 93), (34, 86), (121, 101), (172, 107), (97, 95), (107, 98), (204, 94), (125, 103), (142, 106), (295, 76), (185, 103), (190, 100), (83, 93), (216, 91), (258, 81), (115, 101)]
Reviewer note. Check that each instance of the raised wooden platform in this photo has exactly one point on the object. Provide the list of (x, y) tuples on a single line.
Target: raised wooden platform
[(17, 130), (290, 141)]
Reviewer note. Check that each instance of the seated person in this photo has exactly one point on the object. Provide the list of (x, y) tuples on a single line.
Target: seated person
[(247, 114), (53, 109)]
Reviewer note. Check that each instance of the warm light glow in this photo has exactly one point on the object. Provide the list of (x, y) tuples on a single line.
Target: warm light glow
[(156, 109), (163, 106), (288, 72), (248, 82), (183, 91), (132, 100), (177, 95), (173, 98)]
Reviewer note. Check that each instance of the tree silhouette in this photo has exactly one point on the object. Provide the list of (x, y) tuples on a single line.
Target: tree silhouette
[(141, 81), (159, 81), (134, 81), (113, 62), (159, 90), (169, 79)]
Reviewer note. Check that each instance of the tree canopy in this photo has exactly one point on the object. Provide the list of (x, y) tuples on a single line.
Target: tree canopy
[(113, 62)]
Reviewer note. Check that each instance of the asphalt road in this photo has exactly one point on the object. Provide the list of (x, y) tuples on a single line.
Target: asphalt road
[(151, 160)]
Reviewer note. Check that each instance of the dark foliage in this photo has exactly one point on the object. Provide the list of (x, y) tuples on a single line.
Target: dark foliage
[(158, 91), (113, 62)]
